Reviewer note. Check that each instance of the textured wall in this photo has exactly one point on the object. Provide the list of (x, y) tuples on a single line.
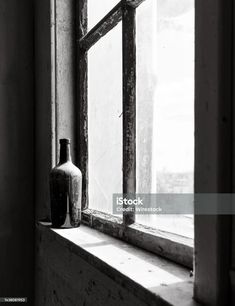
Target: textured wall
[(16, 148), (45, 120), (65, 278), (55, 89)]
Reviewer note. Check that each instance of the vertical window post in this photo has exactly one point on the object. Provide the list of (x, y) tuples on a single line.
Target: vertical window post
[(129, 106), (82, 145)]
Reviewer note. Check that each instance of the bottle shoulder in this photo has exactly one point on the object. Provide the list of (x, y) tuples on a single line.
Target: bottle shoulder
[(67, 168)]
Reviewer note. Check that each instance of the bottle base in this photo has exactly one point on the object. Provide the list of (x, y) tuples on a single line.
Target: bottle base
[(65, 226)]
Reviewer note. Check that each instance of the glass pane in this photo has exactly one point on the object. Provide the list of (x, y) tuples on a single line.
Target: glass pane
[(98, 9), (165, 105), (105, 120)]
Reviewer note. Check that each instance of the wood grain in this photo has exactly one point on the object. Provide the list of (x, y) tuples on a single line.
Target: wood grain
[(102, 28)]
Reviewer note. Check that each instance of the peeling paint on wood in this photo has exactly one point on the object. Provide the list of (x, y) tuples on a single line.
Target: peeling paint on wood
[(82, 136), (106, 24), (103, 27), (129, 106)]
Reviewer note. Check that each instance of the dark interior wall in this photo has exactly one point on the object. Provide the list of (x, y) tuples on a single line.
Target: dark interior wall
[(16, 148), (44, 106)]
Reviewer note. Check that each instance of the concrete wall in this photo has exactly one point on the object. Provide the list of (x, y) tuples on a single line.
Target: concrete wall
[(66, 278), (16, 148)]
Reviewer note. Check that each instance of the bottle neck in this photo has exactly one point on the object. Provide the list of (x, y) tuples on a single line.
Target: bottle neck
[(65, 154)]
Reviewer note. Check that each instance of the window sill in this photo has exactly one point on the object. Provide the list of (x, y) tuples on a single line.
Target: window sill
[(168, 245), (150, 278)]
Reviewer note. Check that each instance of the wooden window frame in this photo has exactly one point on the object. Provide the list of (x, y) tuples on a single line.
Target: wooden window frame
[(214, 138), (174, 247)]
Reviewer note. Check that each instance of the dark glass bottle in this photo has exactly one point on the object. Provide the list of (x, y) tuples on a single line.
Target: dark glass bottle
[(65, 190)]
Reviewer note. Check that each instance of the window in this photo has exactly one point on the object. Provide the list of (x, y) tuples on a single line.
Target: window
[(105, 120), (165, 106), (136, 101)]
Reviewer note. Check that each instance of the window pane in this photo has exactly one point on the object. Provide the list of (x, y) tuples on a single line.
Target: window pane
[(98, 9), (105, 120), (165, 105)]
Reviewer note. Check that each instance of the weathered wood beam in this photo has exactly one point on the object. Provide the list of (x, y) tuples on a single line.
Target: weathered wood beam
[(133, 3), (81, 106), (101, 28), (129, 106)]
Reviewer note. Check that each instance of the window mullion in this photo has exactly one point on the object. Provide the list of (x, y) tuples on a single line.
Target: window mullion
[(105, 25), (129, 105), (81, 106)]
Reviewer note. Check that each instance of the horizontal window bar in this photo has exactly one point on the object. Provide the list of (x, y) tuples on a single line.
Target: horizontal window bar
[(102, 27), (106, 24)]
